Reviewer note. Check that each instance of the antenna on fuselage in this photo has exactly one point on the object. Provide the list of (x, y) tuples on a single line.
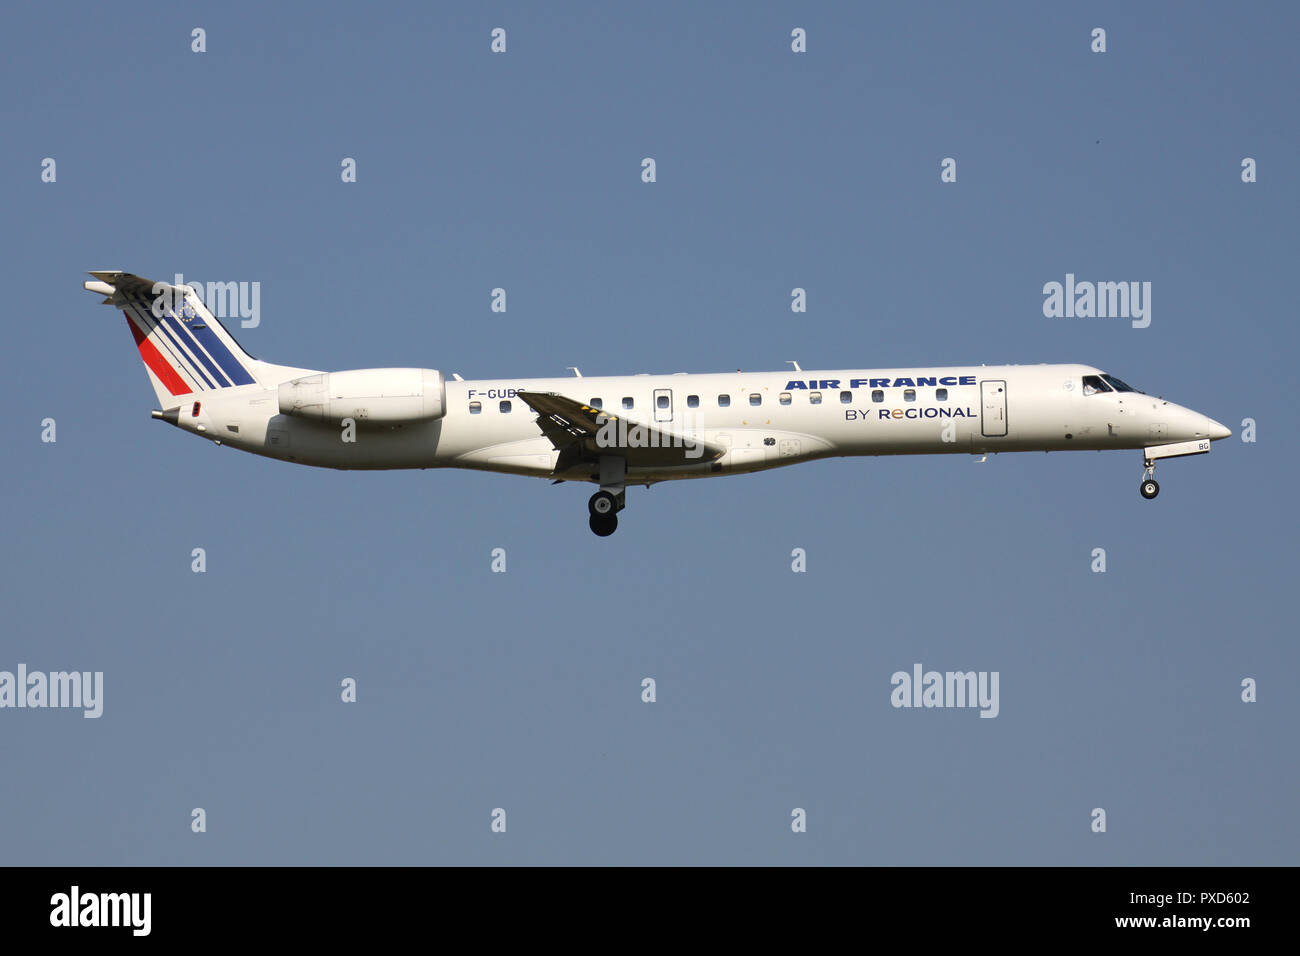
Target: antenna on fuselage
[(795, 364), (574, 370)]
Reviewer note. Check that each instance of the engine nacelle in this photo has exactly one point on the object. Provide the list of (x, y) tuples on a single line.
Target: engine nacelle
[(383, 396)]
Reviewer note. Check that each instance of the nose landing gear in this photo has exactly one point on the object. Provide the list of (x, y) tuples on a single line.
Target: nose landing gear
[(1149, 487), (1153, 453)]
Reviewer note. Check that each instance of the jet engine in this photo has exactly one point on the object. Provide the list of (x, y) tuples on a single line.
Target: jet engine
[(383, 396)]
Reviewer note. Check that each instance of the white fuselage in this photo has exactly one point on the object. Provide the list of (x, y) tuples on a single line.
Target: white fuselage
[(763, 419)]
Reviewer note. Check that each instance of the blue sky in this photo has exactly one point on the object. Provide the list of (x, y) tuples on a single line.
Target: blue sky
[(522, 690)]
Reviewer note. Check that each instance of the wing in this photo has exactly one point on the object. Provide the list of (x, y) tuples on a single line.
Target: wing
[(582, 433)]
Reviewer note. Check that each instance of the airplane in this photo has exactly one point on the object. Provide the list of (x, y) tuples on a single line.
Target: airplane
[(617, 431)]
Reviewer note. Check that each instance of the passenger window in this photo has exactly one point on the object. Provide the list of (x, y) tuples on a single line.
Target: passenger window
[(878, 395), (597, 403), (814, 398), (755, 398), (941, 394), (662, 401), (909, 394), (724, 401), (784, 398), (505, 406), (846, 397), (627, 402), (692, 401), (1093, 385), (475, 408)]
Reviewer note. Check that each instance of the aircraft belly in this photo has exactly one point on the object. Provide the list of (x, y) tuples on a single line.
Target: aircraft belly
[(529, 456), (328, 446)]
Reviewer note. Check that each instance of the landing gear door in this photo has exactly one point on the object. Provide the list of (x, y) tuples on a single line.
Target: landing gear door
[(993, 401)]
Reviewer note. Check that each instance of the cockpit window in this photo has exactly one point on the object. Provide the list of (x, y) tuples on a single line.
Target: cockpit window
[(1093, 385), (1119, 386)]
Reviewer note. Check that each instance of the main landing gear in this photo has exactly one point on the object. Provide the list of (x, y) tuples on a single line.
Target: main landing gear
[(1149, 487), (605, 504), (604, 508)]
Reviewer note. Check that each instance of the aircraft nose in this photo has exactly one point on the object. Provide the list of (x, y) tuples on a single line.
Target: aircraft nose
[(1212, 429)]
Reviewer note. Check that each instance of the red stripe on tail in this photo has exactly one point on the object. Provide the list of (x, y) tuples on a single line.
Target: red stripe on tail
[(156, 363)]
